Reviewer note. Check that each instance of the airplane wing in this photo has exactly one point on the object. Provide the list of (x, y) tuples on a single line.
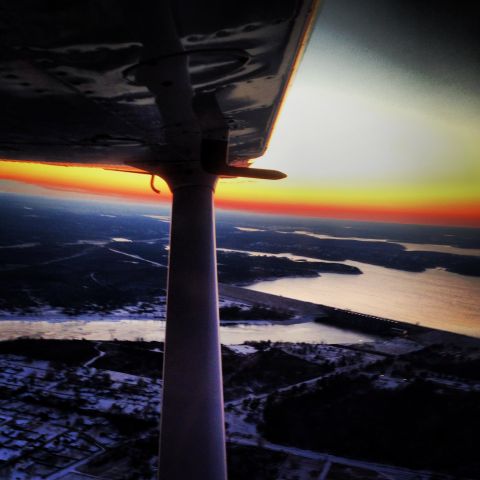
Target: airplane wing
[(134, 84), (186, 89)]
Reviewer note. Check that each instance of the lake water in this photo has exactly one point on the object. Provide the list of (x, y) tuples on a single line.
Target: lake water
[(419, 247), (155, 330), (434, 298)]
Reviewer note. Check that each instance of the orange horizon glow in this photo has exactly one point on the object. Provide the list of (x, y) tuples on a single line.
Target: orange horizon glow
[(238, 194)]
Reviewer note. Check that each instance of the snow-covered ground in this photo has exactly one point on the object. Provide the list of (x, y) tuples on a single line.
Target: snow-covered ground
[(54, 442), (65, 437), (154, 309), (395, 346), (243, 349)]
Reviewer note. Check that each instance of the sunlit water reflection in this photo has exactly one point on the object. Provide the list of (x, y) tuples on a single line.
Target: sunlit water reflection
[(155, 330), (434, 298)]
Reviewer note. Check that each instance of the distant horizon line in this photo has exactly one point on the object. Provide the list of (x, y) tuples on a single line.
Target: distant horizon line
[(52, 194), (380, 203)]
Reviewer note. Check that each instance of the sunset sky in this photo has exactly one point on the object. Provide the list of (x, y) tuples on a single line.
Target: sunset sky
[(382, 123)]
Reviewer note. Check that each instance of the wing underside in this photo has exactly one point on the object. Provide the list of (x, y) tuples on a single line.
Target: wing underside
[(115, 83)]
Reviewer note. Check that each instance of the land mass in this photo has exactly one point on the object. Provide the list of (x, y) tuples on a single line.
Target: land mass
[(77, 260), (75, 408)]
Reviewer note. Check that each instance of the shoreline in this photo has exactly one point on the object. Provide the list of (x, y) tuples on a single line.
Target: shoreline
[(388, 328), (304, 312)]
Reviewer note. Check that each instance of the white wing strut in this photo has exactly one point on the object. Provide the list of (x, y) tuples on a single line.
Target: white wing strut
[(192, 438)]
